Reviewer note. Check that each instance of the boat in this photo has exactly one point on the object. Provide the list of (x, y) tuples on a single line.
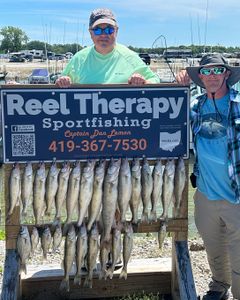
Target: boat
[(39, 76)]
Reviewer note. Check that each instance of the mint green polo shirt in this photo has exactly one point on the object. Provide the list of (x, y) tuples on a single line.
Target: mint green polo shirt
[(90, 67)]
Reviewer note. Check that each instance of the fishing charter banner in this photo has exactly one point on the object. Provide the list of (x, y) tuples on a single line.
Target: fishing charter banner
[(100, 122)]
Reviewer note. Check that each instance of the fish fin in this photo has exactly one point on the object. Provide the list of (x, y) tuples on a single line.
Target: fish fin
[(123, 273)]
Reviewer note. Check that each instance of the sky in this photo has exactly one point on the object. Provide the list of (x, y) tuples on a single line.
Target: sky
[(142, 23)]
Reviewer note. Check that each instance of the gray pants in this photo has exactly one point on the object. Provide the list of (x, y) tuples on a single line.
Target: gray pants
[(218, 222)]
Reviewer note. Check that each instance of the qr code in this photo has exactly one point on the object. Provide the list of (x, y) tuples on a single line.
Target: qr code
[(23, 144)]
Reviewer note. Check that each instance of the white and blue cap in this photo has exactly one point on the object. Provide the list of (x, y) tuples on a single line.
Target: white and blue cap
[(102, 16)]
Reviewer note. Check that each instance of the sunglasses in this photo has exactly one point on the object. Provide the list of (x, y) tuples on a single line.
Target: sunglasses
[(107, 30), (215, 71)]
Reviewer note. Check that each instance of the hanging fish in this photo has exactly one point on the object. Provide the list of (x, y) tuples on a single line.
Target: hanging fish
[(23, 247), (86, 191), (179, 184), (168, 188), (127, 249), (124, 188), (39, 204), (63, 178), (14, 189), (57, 237), (51, 187), (147, 187), (96, 201), (110, 193), (72, 194), (46, 240), (156, 197), (27, 188), (34, 240), (81, 252), (93, 249), (136, 189), (69, 256)]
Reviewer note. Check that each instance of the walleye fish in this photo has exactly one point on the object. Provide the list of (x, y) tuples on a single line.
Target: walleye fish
[(34, 240), (81, 252), (127, 249), (27, 188), (136, 189), (147, 187), (96, 201), (162, 234), (156, 197), (93, 248), (51, 187), (63, 178), (69, 256), (86, 191), (57, 237), (168, 187), (116, 250), (23, 248), (14, 188), (179, 184), (72, 194), (39, 193), (124, 188), (46, 240), (110, 193), (104, 256)]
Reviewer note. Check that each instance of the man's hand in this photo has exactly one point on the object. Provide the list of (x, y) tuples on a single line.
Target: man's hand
[(63, 82), (183, 78), (137, 79)]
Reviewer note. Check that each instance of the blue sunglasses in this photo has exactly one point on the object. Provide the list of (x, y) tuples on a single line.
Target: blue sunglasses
[(107, 30)]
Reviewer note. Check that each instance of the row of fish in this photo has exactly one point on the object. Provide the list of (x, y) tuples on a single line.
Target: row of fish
[(82, 249), (96, 190)]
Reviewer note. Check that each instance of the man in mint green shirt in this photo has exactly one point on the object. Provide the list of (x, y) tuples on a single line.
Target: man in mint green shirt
[(106, 62)]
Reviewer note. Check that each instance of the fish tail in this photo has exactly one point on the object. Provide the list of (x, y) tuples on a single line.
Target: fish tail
[(88, 282), (153, 216), (65, 228), (144, 217), (123, 273), (64, 286), (23, 268), (77, 279)]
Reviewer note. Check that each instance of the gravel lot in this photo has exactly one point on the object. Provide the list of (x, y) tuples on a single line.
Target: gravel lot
[(144, 247)]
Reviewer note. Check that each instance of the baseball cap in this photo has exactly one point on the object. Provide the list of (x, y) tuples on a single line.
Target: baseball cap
[(100, 16)]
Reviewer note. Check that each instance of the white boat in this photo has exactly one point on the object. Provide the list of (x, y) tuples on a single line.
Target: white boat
[(39, 76)]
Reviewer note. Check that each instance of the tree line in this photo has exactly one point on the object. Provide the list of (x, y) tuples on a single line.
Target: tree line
[(15, 39)]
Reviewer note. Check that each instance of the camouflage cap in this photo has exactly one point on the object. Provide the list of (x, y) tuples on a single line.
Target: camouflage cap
[(100, 16)]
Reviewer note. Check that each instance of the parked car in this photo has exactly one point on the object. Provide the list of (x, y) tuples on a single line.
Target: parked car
[(145, 57), (17, 58), (59, 56)]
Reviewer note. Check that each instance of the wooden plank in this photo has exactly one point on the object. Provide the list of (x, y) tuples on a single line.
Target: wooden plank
[(173, 225), (10, 285), (149, 275), (136, 283), (184, 271)]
